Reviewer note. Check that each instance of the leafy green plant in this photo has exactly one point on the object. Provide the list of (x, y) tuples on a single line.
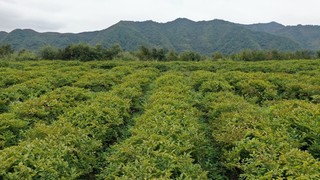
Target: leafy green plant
[(159, 120), (56, 151)]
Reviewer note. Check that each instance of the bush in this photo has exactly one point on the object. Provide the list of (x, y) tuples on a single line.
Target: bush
[(48, 107), (256, 90), (59, 151), (82, 52), (126, 56), (158, 147), (190, 56), (49, 52), (5, 50), (217, 56), (25, 55)]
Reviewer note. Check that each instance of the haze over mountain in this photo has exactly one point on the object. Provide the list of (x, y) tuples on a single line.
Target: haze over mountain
[(181, 34)]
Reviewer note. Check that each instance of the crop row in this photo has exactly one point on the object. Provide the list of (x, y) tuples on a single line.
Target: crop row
[(166, 141), (277, 140), (150, 120), (65, 131)]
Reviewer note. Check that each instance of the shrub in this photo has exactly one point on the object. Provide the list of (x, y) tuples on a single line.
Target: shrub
[(49, 52), (58, 151)]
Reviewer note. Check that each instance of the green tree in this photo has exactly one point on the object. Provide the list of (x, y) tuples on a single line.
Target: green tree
[(190, 56), (172, 56), (144, 53), (112, 52), (6, 50), (318, 54), (276, 55), (25, 55), (158, 54), (303, 54), (217, 56), (49, 52), (81, 51)]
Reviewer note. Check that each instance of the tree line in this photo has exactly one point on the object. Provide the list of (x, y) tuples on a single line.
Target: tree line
[(86, 52)]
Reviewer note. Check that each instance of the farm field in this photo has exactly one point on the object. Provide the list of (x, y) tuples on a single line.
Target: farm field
[(160, 120)]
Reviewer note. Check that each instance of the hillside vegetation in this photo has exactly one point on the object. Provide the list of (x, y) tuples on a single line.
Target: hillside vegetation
[(180, 35), (86, 52), (307, 36), (160, 120)]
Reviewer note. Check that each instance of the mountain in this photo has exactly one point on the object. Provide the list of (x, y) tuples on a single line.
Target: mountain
[(271, 27), (181, 34), (307, 36), (30, 39), (2, 35)]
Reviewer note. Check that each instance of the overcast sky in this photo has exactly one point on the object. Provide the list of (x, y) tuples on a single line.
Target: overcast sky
[(90, 15)]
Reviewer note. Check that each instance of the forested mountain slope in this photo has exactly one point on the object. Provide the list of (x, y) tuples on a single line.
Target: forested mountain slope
[(307, 36), (181, 35)]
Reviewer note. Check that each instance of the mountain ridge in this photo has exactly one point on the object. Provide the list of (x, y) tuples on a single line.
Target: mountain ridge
[(307, 36), (180, 34)]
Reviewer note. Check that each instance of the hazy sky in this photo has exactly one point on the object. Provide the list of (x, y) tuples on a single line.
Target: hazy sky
[(90, 15)]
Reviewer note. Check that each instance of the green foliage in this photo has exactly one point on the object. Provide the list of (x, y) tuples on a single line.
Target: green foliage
[(215, 86), (145, 53), (82, 52), (5, 50), (112, 52), (100, 116), (126, 56), (260, 55), (318, 54), (159, 120), (203, 37), (10, 127), (26, 90), (25, 55), (49, 52), (97, 81), (9, 77), (50, 152), (172, 56), (86, 52), (257, 90), (48, 107), (190, 56), (306, 35), (156, 148), (217, 56)]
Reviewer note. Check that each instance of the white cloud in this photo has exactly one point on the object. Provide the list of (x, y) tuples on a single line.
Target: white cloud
[(89, 15)]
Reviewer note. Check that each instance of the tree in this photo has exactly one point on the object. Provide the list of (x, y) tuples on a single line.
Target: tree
[(158, 54), (112, 52), (275, 55), (190, 56), (172, 56), (217, 56), (82, 52), (144, 53), (6, 50), (318, 54), (49, 52), (303, 54), (24, 55)]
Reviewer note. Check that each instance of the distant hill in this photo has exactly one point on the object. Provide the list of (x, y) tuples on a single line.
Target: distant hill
[(307, 36), (271, 27), (2, 35), (30, 39), (181, 34)]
